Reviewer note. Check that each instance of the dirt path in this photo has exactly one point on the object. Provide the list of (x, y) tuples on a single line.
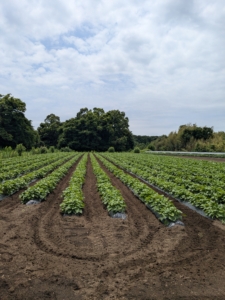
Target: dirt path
[(44, 255)]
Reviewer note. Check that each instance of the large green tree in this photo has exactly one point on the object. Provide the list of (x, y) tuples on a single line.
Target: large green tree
[(97, 130), (15, 128), (49, 130), (116, 131)]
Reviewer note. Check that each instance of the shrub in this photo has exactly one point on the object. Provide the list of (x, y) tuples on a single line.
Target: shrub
[(8, 149), (33, 151), (151, 147), (111, 149), (8, 152), (52, 149), (37, 151), (136, 150), (20, 149), (66, 149), (43, 150)]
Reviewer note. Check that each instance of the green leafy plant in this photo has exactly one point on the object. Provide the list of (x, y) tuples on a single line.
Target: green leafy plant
[(33, 150), (52, 149), (66, 149), (73, 198), (27, 166), (111, 149), (42, 188), (11, 186), (110, 196), (160, 205), (181, 178), (43, 150), (136, 150), (20, 149)]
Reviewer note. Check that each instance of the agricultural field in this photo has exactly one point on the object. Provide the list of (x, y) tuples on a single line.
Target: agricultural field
[(110, 226)]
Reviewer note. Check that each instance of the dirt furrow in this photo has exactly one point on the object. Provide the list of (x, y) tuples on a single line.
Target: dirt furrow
[(44, 255)]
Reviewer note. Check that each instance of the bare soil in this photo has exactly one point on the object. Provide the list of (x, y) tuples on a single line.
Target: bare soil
[(45, 255)]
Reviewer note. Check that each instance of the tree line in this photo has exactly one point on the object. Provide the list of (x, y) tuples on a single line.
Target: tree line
[(95, 129), (90, 129), (191, 137)]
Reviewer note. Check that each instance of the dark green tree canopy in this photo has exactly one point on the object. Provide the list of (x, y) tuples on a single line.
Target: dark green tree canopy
[(97, 130), (15, 128), (190, 137), (143, 141), (197, 133), (91, 129), (49, 130)]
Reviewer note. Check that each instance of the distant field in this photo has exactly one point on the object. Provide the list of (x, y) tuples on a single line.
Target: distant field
[(206, 154)]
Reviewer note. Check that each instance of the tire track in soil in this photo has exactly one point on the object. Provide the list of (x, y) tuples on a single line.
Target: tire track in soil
[(102, 230), (202, 238), (71, 236), (106, 233), (97, 257), (144, 226), (141, 223), (99, 227), (94, 212), (12, 205), (198, 227), (50, 227), (194, 223)]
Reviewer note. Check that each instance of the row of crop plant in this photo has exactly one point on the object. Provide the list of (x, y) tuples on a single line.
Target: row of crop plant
[(26, 167), (111, 196), (141, 165), (209, 198), (163, 208), (206, 178), (73, 195), (9, 163), (45, 186), (198, 178), (73, 198), (196, 171), (11, 186)]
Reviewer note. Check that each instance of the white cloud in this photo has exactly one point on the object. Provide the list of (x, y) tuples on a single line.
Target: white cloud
[(162, 59)]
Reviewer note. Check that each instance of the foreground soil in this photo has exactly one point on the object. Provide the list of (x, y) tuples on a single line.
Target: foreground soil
[(44, 255)]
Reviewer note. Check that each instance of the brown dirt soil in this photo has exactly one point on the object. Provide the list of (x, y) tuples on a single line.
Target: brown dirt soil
[(44, 255)]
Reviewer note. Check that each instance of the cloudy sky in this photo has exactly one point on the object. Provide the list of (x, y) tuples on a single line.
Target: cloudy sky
[(161, 62)]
